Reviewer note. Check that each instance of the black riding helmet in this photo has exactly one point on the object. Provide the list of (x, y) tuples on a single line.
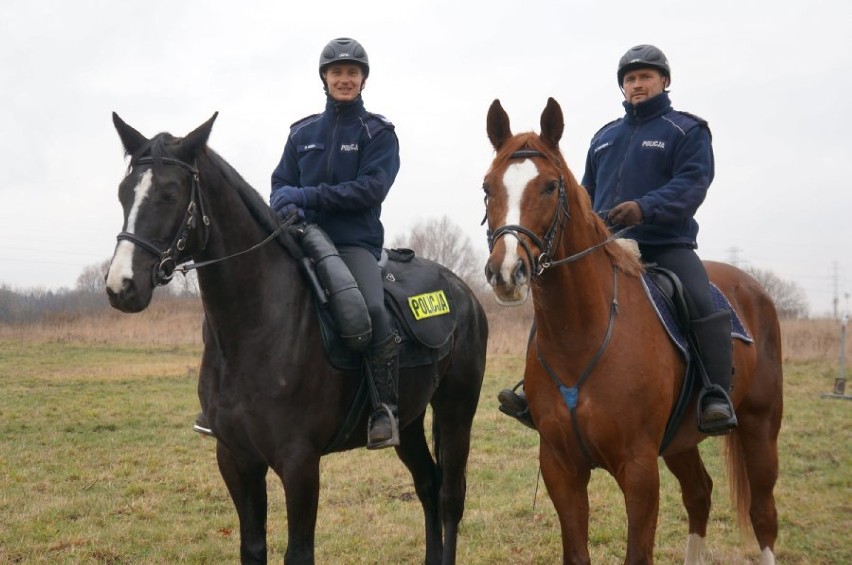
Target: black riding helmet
[(344, 50), (640, 57)]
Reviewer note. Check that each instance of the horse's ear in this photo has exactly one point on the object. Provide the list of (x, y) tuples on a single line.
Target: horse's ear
[(552, 124), (130, 138), (197, 138), (498, 125)]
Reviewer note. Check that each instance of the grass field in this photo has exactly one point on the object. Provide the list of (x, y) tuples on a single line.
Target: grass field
[(98, 464)]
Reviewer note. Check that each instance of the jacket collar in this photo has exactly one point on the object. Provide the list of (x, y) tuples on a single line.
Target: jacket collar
[(651, 108), (344, 109)]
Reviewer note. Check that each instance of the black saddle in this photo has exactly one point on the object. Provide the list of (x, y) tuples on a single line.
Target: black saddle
[(420, 304)]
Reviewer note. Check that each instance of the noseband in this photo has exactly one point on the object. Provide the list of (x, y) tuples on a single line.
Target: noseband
[(164, 271), (545, 243)]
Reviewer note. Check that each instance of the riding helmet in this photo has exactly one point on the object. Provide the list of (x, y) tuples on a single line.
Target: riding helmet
[(344, 49), (640, 57)]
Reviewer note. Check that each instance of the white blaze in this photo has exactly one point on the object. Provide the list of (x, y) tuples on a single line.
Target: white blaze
[(515, 179), (121, 266)]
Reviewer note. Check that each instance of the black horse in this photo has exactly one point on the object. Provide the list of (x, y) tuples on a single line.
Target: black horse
[(275, 400)]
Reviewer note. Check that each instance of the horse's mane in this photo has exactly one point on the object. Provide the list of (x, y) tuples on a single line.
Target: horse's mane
[(256, 205), (580, 204)]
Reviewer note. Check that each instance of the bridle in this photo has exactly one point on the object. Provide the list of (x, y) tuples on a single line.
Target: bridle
[(545, 259), (545, 243), (165, 270), (168, 265)]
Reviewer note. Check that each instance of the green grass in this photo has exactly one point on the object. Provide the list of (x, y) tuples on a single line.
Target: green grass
[(98, 464)]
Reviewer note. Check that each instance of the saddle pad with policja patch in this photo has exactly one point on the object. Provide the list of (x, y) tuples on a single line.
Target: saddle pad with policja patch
[(420, 302)]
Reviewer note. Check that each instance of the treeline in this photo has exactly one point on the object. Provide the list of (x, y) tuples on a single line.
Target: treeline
[(37, 305), (437, 239)]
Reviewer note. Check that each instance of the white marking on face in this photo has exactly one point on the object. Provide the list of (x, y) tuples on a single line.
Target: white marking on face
[(767, 557), (694, 547), (121, 266), (515, 179)]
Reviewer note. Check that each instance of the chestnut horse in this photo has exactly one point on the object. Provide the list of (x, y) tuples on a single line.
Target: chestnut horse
[(274, 399), (602, 375)]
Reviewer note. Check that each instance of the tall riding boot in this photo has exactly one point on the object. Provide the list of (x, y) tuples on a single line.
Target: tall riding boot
[(515, 404), (383, 372), (713, 335)]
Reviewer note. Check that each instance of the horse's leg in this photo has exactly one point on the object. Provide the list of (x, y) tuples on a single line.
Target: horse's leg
[(696, 488), (245, 478), (754, 446), (451, 432), (567, 485), (414, 453), (639, 479), (300, 475)]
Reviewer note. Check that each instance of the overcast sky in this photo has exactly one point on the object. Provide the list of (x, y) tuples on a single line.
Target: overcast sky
[(773, 79)]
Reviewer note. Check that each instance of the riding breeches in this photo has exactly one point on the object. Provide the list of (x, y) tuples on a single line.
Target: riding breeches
[(367, 273), (686, 264)]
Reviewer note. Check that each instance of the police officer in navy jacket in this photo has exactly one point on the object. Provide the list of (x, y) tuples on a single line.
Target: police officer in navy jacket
[(651, 170), (336, 170)]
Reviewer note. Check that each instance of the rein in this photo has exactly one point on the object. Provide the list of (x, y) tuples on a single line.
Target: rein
[(163, 273), (545, 259), (571, 394)]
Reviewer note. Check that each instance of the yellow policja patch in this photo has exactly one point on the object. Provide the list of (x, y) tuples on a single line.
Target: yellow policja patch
[(429, 304)]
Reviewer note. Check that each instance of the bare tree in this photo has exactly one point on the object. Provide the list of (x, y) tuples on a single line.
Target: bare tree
[(185, 285), (91, 279), (443, 241), (789, 298)]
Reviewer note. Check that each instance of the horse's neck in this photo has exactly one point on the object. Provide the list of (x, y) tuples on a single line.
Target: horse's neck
[(576, 298), (244, 288)]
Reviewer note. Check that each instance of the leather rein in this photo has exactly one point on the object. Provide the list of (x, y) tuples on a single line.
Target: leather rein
[(544, 261)]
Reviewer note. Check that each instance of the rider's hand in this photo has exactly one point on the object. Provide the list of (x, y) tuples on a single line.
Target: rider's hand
[(285, 198), (626, 214)]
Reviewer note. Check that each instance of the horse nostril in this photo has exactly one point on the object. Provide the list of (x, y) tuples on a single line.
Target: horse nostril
[(519, 274)]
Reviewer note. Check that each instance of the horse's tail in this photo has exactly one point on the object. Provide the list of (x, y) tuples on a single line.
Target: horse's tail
[(740, 490)]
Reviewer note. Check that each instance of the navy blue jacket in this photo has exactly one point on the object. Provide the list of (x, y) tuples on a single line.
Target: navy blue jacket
[(659, 157), (345, 160)]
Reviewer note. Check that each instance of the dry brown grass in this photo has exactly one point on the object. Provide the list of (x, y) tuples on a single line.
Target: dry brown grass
[(177, 322), (167, 321), (813, 340), (97, 418)]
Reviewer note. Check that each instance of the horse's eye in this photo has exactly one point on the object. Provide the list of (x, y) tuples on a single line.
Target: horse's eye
[(551, 186), (169, 191)]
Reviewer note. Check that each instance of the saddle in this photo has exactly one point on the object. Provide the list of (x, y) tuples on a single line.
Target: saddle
[(668, 297), (420, 305)]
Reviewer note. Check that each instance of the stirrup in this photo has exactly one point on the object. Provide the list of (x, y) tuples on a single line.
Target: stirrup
[(202, 426), (515, 405), (719, 426), (393, 440)]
